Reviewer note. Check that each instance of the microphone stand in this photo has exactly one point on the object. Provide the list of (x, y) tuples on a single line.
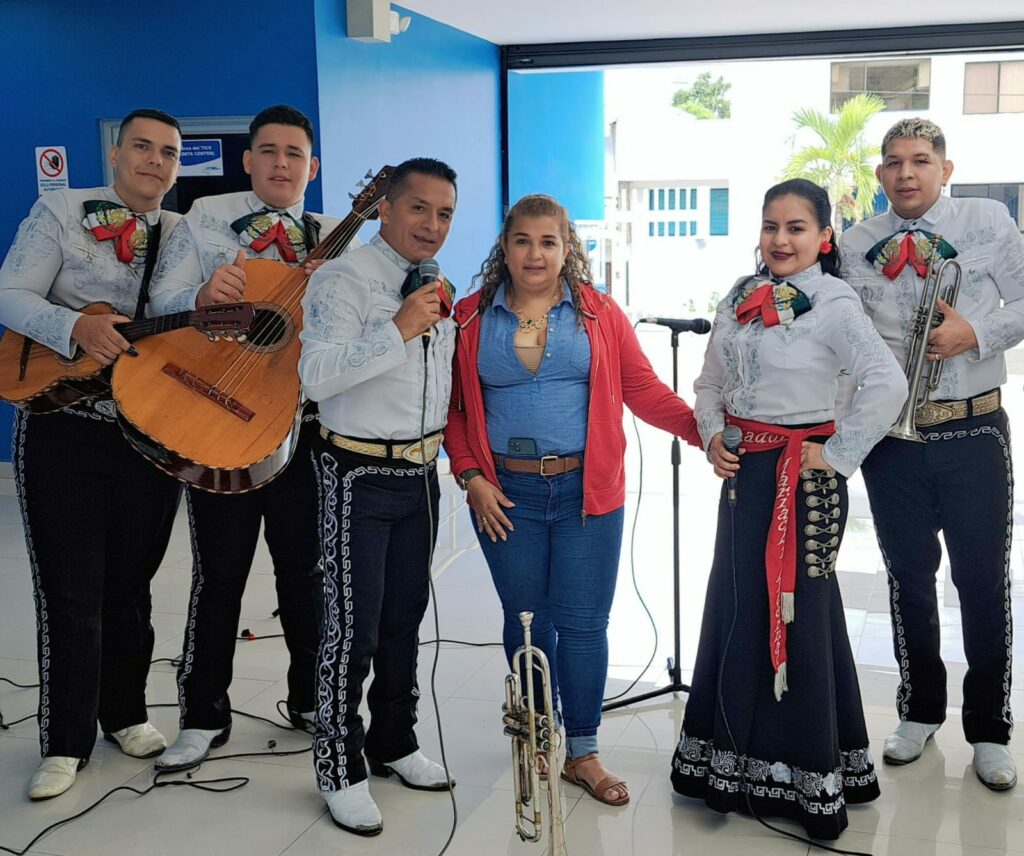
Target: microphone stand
[(675, 680)]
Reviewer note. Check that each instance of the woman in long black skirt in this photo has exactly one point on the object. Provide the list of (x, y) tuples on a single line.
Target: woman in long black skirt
[(774, 714)]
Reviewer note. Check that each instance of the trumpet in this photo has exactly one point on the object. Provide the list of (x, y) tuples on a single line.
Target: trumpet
[(534, 737), (924, 321)]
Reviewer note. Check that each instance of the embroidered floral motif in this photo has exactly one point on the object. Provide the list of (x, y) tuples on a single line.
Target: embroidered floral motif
[(816, 791), (773, 302)]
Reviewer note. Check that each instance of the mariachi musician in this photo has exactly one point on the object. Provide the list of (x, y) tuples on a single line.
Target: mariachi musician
[(960, 479), (377, 354), (204, 264), (97, 516)]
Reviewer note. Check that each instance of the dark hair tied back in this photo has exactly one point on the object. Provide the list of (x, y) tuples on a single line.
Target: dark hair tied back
[(817, 198)]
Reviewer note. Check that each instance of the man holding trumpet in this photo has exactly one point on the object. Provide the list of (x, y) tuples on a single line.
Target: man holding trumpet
[(959, 480)]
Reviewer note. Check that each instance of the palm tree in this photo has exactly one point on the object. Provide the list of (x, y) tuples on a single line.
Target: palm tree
[(842, 161)]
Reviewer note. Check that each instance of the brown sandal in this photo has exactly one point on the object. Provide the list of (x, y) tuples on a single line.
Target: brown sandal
[(598, 791)]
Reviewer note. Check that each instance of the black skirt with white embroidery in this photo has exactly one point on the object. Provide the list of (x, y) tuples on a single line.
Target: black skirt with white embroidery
[(805, 757)]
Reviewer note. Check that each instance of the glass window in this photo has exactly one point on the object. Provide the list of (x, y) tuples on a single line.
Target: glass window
[(682, 198), (901, 84), (718, 219), (671, 199), (661, 230), (682, 229), (693, 227), (650, 200), (994, 87), (650, 229), (672, 229), (1009, 194), (661, 199), (693, 199)]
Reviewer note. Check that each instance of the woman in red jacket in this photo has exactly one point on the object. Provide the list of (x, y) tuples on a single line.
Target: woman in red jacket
[(543, 366)]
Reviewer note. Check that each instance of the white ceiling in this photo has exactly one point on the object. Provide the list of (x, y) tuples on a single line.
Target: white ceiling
[(513, 22)]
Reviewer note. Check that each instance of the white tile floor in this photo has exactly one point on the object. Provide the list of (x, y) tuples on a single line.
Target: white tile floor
[(934, 807)]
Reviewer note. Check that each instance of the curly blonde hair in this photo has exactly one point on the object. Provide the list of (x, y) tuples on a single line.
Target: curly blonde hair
[(575, 271)]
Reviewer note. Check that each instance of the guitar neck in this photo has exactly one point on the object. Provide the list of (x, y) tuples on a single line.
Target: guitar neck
[(341, 236), (135, 330)]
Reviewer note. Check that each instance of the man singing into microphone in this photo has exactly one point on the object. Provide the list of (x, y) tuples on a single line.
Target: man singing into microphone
[(376, 354)]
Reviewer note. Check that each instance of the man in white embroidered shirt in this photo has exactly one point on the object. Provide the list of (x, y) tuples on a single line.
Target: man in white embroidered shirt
[(376, 354), (97, 516), (960, 479), (204, 263)]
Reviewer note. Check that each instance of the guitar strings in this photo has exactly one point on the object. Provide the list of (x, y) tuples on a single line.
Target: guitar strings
[(242, 367), (246, 362)]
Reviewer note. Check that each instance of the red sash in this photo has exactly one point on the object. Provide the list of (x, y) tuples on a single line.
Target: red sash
[(780, 552)]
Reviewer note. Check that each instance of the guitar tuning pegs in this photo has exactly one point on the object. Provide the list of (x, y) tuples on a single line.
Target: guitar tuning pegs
[(369, 174), (228, 337), (213, 337), (361, 184), (351, 196), (241, 338)]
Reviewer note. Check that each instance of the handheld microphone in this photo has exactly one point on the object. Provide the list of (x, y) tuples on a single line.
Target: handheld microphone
[(429, 271), (731, 439), (700, 326)]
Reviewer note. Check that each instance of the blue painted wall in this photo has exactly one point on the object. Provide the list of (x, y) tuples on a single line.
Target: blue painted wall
[(433, 91), (556, 139), (66, 65)]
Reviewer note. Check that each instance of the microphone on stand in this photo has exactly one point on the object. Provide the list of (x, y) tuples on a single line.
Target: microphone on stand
[(700, 326), (731, 439)]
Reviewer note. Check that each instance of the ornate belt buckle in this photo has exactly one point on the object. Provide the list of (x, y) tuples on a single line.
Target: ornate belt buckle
[(932, 413), (417, 453)]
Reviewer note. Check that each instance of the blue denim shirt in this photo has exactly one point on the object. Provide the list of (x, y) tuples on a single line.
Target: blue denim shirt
[(550, 406)]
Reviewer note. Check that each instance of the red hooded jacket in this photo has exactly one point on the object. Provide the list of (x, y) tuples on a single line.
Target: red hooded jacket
[(619, 374)]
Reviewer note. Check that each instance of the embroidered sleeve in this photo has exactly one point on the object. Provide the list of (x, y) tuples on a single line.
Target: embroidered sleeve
[(179, 274), (1002, 329), (709, 404), (880, 385), (342, 344), (27, 276)]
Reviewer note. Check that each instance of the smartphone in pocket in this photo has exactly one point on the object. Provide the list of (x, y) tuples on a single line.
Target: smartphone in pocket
[(522, 446)]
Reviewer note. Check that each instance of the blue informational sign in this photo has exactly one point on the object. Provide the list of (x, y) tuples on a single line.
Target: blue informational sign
[(201, 158)]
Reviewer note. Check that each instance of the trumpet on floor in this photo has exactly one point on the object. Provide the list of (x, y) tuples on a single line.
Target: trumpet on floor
[(535, 740)]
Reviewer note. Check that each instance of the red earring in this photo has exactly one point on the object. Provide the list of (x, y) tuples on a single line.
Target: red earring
[(826, 247)]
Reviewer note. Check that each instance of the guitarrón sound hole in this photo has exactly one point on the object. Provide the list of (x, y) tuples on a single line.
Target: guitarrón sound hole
[(272, 328)]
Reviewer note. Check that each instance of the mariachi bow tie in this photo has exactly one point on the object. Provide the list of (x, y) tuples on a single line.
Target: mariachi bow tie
[(772, 302), (906, 247), (109, 221), (266, 227), (445, 291)]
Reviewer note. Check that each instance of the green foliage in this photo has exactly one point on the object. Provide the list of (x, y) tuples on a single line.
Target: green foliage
[(705, 99), (842, 161)]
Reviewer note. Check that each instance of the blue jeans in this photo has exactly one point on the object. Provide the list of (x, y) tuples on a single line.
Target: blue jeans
[(561, 567)]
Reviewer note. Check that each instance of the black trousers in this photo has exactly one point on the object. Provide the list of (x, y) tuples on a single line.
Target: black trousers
[(97, 520), (960, 483), (376, 542), (225, 531)]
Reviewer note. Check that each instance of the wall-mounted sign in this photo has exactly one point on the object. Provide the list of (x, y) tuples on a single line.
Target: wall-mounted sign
[(51, 168), (201, 158)]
